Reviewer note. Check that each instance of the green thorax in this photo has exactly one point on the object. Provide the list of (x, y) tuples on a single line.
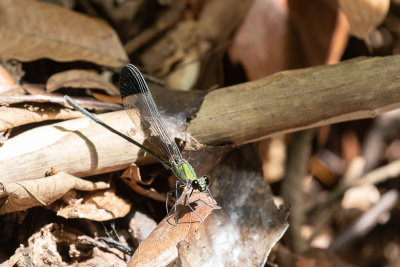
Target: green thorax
[(184, 171)]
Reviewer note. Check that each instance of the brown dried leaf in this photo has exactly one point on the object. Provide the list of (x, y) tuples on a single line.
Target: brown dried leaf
[(273, 155), (22, 257), (43, 245), (132, 178), (248, 225), (186, 73), (322, 30), (218, 20), (364, 15), (260, 43), (80, 79), (107, 98), (22, 195), (6, 81), (141, 225), (97, 206), (30, 30), (103, 258), (160, 247), (48, 246), (132, 173), (360, 198), (11, 117), (172, 49), (274, 33)]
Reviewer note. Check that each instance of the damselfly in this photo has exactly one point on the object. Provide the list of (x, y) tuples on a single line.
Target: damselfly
[(139, 104)]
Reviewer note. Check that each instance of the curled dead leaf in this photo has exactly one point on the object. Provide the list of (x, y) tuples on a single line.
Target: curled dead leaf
[(49, 245), (107, 98), (160, 247), (133, 174), (30, 30), (364, 15), (261, 40), (6, 81), (80, 79), (132, 178), (141, 225), (98, 206), (21, 195)]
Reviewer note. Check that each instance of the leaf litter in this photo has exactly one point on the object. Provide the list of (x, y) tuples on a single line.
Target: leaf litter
[(21, 195), (30, 41), (161, 246)]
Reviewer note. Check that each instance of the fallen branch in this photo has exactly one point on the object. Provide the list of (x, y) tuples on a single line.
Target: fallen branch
[(284, 102)]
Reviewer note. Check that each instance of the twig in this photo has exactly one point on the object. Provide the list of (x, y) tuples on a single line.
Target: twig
[(367, 221), (379, 175), (293, 100), (87, 103), (299, 153)]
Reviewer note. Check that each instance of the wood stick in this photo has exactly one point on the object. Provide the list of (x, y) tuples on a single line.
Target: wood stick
[(284, 102), (293, 100), (79, 147)]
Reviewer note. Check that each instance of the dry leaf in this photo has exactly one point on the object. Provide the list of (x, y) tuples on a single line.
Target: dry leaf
[(273, 155), (31, 30), (172, 50), (22, 257), (132, 178), (186, 73), (11, 117), (322, 31), (132, 173), (275, 34), (107, 98), (21, 195), (160, 247), (364, 15), (218, 20), (48, 247), (80, 79), (36, 89), (248, 225), (321, 171), (350, 146), (102, 258), (97, 206), (360, 197), (141, 225), (260, 43), (7, 83)]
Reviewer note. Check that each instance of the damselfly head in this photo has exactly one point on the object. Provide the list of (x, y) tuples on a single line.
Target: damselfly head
[(201, 183)]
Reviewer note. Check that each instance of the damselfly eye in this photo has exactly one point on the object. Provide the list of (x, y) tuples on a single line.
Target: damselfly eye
[(195, 184), (207, 180)]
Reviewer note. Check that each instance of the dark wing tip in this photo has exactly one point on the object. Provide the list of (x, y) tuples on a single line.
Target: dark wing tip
[(130, 81)]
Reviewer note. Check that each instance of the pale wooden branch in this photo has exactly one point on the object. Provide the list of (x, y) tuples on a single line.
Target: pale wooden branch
[(292, 100), (79, 147), (284, 102)]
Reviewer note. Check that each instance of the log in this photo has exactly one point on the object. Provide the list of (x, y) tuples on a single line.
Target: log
[(79, 147), (284, 102), (293, 100)]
